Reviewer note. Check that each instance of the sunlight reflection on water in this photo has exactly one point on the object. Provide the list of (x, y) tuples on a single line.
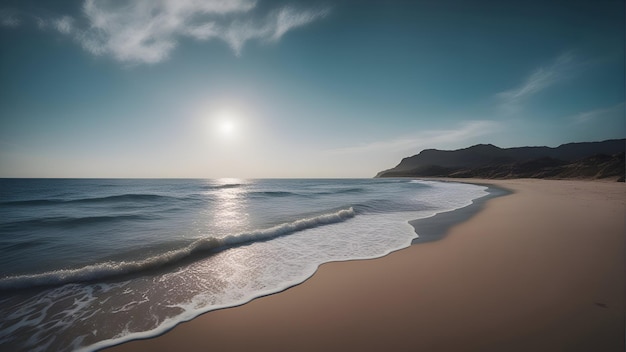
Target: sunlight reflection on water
[(229, 213)]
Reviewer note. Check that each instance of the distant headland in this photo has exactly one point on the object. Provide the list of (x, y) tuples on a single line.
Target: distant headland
[(587, 160)]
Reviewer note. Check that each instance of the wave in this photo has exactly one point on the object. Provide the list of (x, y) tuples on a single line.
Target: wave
[(12, 246), (71, 221), (33, 202), (343, 191), (391, 206), (273, 194), (305, 194), (155, 197), (115, 198), (110, 269), (123, 198), (230, 185)]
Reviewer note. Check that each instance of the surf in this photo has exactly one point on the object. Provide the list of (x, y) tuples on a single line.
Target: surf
[(207, 244)]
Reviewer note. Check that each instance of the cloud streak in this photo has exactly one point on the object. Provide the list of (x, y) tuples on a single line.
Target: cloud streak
[(598, 114), (539, 80), (147, 31), (460, 135), (9, 18), (270, 29)]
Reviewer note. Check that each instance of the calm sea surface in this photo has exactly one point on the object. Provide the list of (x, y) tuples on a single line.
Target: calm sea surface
[(87, 263)]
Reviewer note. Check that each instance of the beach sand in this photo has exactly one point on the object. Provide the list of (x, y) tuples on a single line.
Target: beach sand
[(541, 269)]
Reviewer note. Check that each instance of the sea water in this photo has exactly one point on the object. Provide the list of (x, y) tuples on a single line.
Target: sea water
[(89, 263)]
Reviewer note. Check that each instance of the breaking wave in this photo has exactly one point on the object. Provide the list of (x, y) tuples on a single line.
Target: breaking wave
[(109, 269)]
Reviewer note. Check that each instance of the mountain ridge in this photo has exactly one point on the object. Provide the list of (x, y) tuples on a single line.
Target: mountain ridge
[(589, 160)]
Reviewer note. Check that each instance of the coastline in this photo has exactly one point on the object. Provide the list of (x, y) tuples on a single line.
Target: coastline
[(437, 227), (545, 285)]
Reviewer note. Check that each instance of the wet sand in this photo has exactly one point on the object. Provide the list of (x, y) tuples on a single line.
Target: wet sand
[(541, 269)]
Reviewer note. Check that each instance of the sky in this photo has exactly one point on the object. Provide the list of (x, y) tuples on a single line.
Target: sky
[(291, 89)]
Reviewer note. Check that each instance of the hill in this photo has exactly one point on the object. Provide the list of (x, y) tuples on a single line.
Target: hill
[(588, 160)]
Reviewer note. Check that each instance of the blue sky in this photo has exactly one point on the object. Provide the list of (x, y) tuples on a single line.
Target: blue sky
[(254, 89)]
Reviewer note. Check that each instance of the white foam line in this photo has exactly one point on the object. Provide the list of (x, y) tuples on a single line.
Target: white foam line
[(98, 271)]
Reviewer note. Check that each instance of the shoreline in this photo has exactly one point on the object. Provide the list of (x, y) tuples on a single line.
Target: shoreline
[(436, 227), (423, 302), (433, 228)]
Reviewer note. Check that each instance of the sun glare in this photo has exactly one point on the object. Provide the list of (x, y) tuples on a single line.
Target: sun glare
[(227, 127), (225, 123)]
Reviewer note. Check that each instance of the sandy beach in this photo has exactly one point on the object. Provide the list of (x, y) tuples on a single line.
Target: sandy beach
[(541, 269)]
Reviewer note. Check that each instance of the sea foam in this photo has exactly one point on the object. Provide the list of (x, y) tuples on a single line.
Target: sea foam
[(109, 269)]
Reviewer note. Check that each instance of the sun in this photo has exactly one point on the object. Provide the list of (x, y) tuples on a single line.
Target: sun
[(227, 127), (226, 123)]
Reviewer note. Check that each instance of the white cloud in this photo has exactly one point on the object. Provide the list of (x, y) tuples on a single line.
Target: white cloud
[(9, 18), (64, 24), (597, 114), (461, 135), (288, 18), (147, 31), (537, 81), (270, 29)]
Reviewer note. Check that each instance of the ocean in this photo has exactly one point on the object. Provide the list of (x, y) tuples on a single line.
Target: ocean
[(90, 263)]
